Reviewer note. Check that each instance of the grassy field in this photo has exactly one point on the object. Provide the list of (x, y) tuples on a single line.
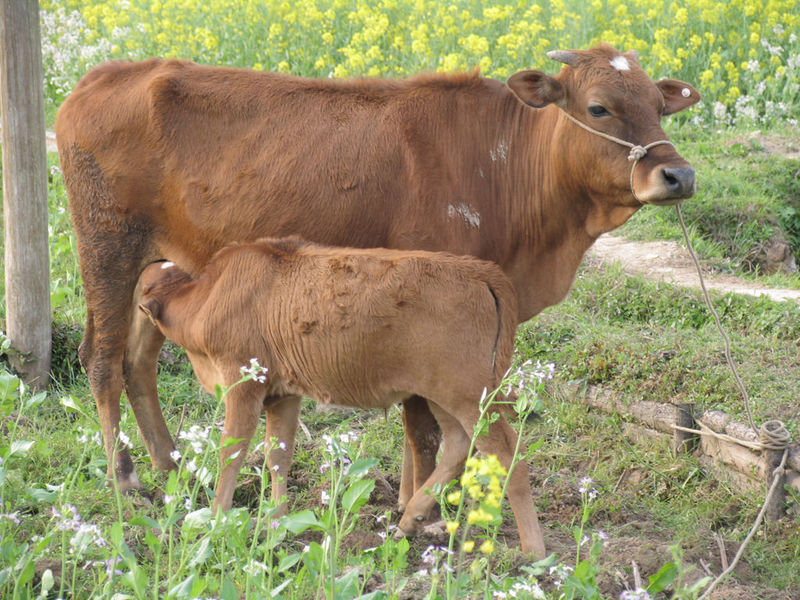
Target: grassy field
[(603, 502)]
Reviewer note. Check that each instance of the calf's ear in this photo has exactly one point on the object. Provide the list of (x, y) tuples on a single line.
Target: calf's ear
[(536, 88), (678, 95), (152, 308)]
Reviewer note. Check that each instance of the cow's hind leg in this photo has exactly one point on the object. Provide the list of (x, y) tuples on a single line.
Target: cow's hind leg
[(422, 439), (112, 247), (101, 359), (282, 416), (139, 377), (456, 444)]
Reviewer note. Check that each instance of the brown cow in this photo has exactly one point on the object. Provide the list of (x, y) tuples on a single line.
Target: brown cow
[(172, 160), (359, 328)]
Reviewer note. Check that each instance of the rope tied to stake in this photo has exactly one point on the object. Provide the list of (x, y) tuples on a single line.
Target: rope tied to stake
[(637, 152), (772, 435)]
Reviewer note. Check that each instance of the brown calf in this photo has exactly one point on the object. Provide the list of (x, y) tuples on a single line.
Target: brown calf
[(359, 328)]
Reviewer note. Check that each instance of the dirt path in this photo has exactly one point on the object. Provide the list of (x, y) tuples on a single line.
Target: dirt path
[(671, 262)]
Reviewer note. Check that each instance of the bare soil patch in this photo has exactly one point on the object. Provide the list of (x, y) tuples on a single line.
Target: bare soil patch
[(670, 262)]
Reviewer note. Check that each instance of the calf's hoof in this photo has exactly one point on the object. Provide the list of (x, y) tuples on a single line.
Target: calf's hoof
[(139, 496)]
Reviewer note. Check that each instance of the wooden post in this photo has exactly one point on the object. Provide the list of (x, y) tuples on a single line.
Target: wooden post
[(685, 442), (27, 270), (772, 460)]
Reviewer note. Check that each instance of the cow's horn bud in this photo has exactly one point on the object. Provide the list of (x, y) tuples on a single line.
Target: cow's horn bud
[(564, 56)]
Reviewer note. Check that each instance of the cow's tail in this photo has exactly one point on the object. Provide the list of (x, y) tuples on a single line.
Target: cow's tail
[(505, 299)]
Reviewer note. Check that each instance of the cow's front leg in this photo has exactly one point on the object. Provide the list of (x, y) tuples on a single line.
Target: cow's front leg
[(282, 415), (243, 406), (422, 439), (139, 370)]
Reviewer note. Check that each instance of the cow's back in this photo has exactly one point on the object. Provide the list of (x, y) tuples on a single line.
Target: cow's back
[(196, 157)]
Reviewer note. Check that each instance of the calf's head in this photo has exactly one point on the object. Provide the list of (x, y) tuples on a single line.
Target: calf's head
[(158, 282), (610, 96)]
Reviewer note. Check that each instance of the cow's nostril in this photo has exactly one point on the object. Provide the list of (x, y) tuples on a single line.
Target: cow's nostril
[(678, 181)]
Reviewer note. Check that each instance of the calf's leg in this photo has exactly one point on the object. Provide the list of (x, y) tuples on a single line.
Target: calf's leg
[(243, 406), (501, 441), (456, 446), (282, 418)]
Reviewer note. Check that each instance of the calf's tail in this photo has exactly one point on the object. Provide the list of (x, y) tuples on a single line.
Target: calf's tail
[(505, 298)]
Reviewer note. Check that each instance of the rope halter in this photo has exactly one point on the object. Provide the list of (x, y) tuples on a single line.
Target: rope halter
[(635, 155)]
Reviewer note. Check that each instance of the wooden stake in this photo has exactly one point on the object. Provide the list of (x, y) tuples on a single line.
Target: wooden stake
[(27, 269)]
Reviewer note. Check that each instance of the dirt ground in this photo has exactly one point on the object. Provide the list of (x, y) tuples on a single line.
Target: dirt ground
[(672, 263)]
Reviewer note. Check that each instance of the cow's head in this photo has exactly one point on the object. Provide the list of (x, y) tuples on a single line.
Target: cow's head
[(608, 92)]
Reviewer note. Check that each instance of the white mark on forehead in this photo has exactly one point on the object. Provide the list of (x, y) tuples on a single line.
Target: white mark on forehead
[(620, 63), (167, 265), (472, 218), (685, 92)]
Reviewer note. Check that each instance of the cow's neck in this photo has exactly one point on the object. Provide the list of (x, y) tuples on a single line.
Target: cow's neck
[(553, 219)]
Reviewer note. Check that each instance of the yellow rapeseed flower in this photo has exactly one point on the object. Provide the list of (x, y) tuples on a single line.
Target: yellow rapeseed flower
[(452, 527), (469, 546), (487, 547)]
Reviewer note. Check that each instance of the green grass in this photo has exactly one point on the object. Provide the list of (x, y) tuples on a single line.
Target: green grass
[(657, 342)]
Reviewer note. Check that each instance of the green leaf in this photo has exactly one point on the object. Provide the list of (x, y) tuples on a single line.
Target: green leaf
[(347, 585), (184, 588), (20, 448), (228, 591), (9, 385), (197, 519), (663, 579), (41, 495), (73, 404), (35, 400), (300, 521), (357, 494), (287, 562), (202, 553), (47, 582), (360, 467), (231, 441), (144, 521), (376, 595), (314, 558), (278, 589)]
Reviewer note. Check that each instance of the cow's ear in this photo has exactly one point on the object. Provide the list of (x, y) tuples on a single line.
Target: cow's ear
[(152, 308), (535, 88), (677, 95)]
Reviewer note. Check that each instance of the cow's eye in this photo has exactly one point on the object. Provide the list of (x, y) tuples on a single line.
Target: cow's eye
[(598, 111)]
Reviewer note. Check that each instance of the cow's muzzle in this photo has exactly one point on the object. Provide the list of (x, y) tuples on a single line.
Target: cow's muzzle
[(677, 184)]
